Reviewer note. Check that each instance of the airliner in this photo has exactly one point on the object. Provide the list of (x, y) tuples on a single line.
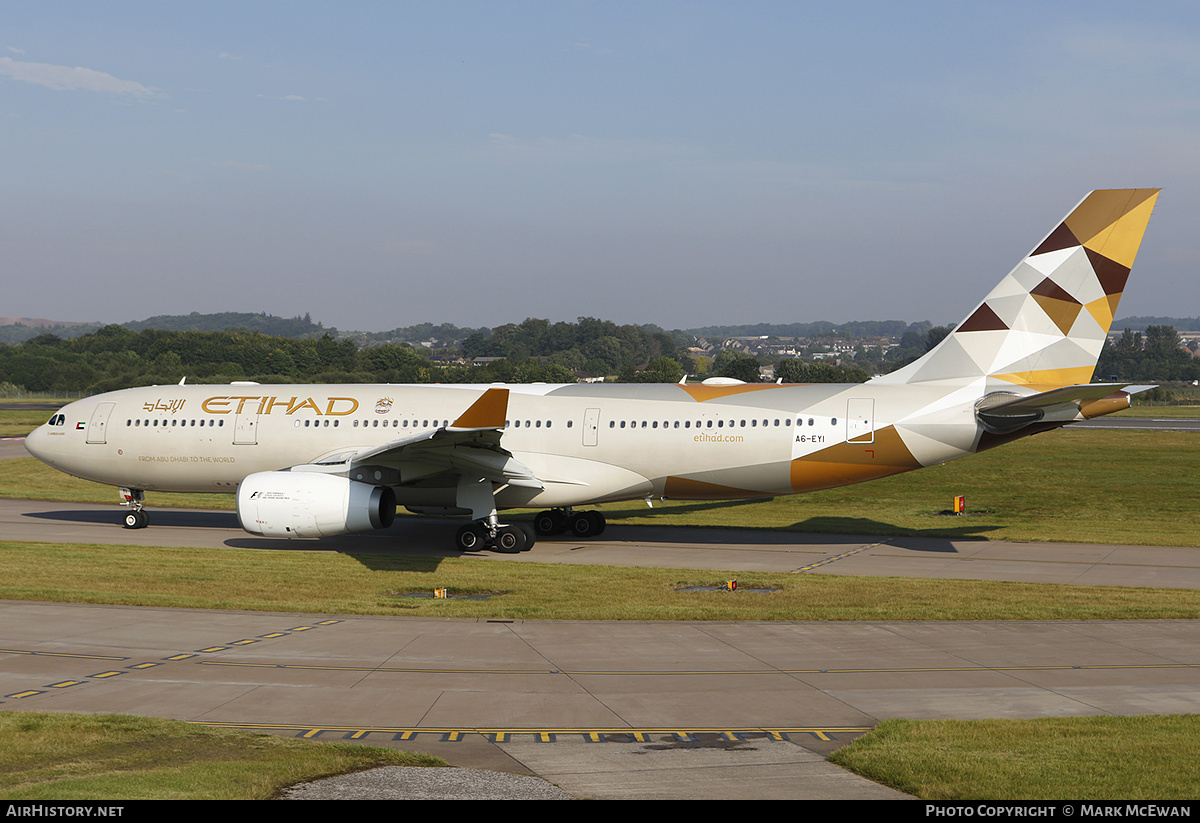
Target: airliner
[(310, 461)]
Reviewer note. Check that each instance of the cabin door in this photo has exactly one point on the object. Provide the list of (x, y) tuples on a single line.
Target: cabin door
[(860, 420), (591, 427), (98, 426), (245, 430)]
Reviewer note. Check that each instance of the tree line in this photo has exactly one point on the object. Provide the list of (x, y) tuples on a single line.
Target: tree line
[(116, 357), (1156, 355)]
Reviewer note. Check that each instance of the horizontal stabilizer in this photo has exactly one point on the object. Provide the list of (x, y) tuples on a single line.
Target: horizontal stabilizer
[(999, 413)]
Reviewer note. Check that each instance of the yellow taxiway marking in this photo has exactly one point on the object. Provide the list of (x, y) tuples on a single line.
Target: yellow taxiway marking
[(62, 654), (550, 735), (836, 558)]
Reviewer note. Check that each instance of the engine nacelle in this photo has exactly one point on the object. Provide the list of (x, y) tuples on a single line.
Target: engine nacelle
[(310, 504)]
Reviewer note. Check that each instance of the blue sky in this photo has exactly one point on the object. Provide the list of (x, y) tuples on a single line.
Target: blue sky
[(680, 163)]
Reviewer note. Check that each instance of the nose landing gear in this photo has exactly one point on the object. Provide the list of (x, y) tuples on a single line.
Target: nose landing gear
[(136, 517)]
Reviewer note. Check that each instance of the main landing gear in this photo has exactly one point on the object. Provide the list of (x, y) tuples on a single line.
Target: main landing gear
[(511, 538), (476, 494), (136, 517), (580, 524)]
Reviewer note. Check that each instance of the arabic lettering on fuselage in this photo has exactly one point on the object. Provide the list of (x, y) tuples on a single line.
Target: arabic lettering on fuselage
[(172, 406)]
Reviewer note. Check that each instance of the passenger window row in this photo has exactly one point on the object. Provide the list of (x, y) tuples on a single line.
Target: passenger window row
[(401, 423), (60, 420), (687, 424), (174, 422)]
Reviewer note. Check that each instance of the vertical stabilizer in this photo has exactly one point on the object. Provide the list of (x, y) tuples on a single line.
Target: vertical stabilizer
[(1044, 325)]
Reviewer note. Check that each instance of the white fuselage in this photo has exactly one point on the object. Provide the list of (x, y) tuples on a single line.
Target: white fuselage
[(585, 443)]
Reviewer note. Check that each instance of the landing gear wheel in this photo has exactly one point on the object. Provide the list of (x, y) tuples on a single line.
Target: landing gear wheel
[(530, 535), (587, 524), (136, 519), (469, 538), (511, 540), (551, 522)]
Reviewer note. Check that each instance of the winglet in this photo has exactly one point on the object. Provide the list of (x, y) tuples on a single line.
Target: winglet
[(488, 412)]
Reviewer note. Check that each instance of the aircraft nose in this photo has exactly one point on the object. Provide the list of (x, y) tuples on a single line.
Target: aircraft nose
[(41, 443), (35, 442)]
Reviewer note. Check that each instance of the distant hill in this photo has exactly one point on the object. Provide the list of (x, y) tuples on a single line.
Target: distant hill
[(864, 328), (295, 327), (442, 336), (447, 335), (18, 329), (38, 322)]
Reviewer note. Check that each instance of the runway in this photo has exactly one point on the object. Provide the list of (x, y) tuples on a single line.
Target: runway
[(728, 710), (1174, 424)]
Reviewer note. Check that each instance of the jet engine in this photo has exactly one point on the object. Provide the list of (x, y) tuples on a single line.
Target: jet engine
[(310, 504)]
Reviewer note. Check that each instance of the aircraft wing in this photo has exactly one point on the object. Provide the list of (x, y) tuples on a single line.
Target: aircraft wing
[(1064, 405), (469, 445)]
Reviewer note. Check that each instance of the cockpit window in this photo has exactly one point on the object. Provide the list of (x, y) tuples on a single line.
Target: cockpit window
[(57, 420)]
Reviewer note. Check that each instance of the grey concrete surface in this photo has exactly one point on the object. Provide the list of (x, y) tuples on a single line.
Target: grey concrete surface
[(1176, 424), (604, 710), (12, 448)]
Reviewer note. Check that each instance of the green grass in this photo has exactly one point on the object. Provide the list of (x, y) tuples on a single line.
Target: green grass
[(294, 580), (64, 757), (1154, 758)]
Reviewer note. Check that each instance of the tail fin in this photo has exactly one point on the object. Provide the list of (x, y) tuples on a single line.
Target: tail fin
[(1044, 325)]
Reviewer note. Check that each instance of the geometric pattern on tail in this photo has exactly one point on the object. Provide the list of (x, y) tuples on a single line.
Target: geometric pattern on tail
[(1044, 325)]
